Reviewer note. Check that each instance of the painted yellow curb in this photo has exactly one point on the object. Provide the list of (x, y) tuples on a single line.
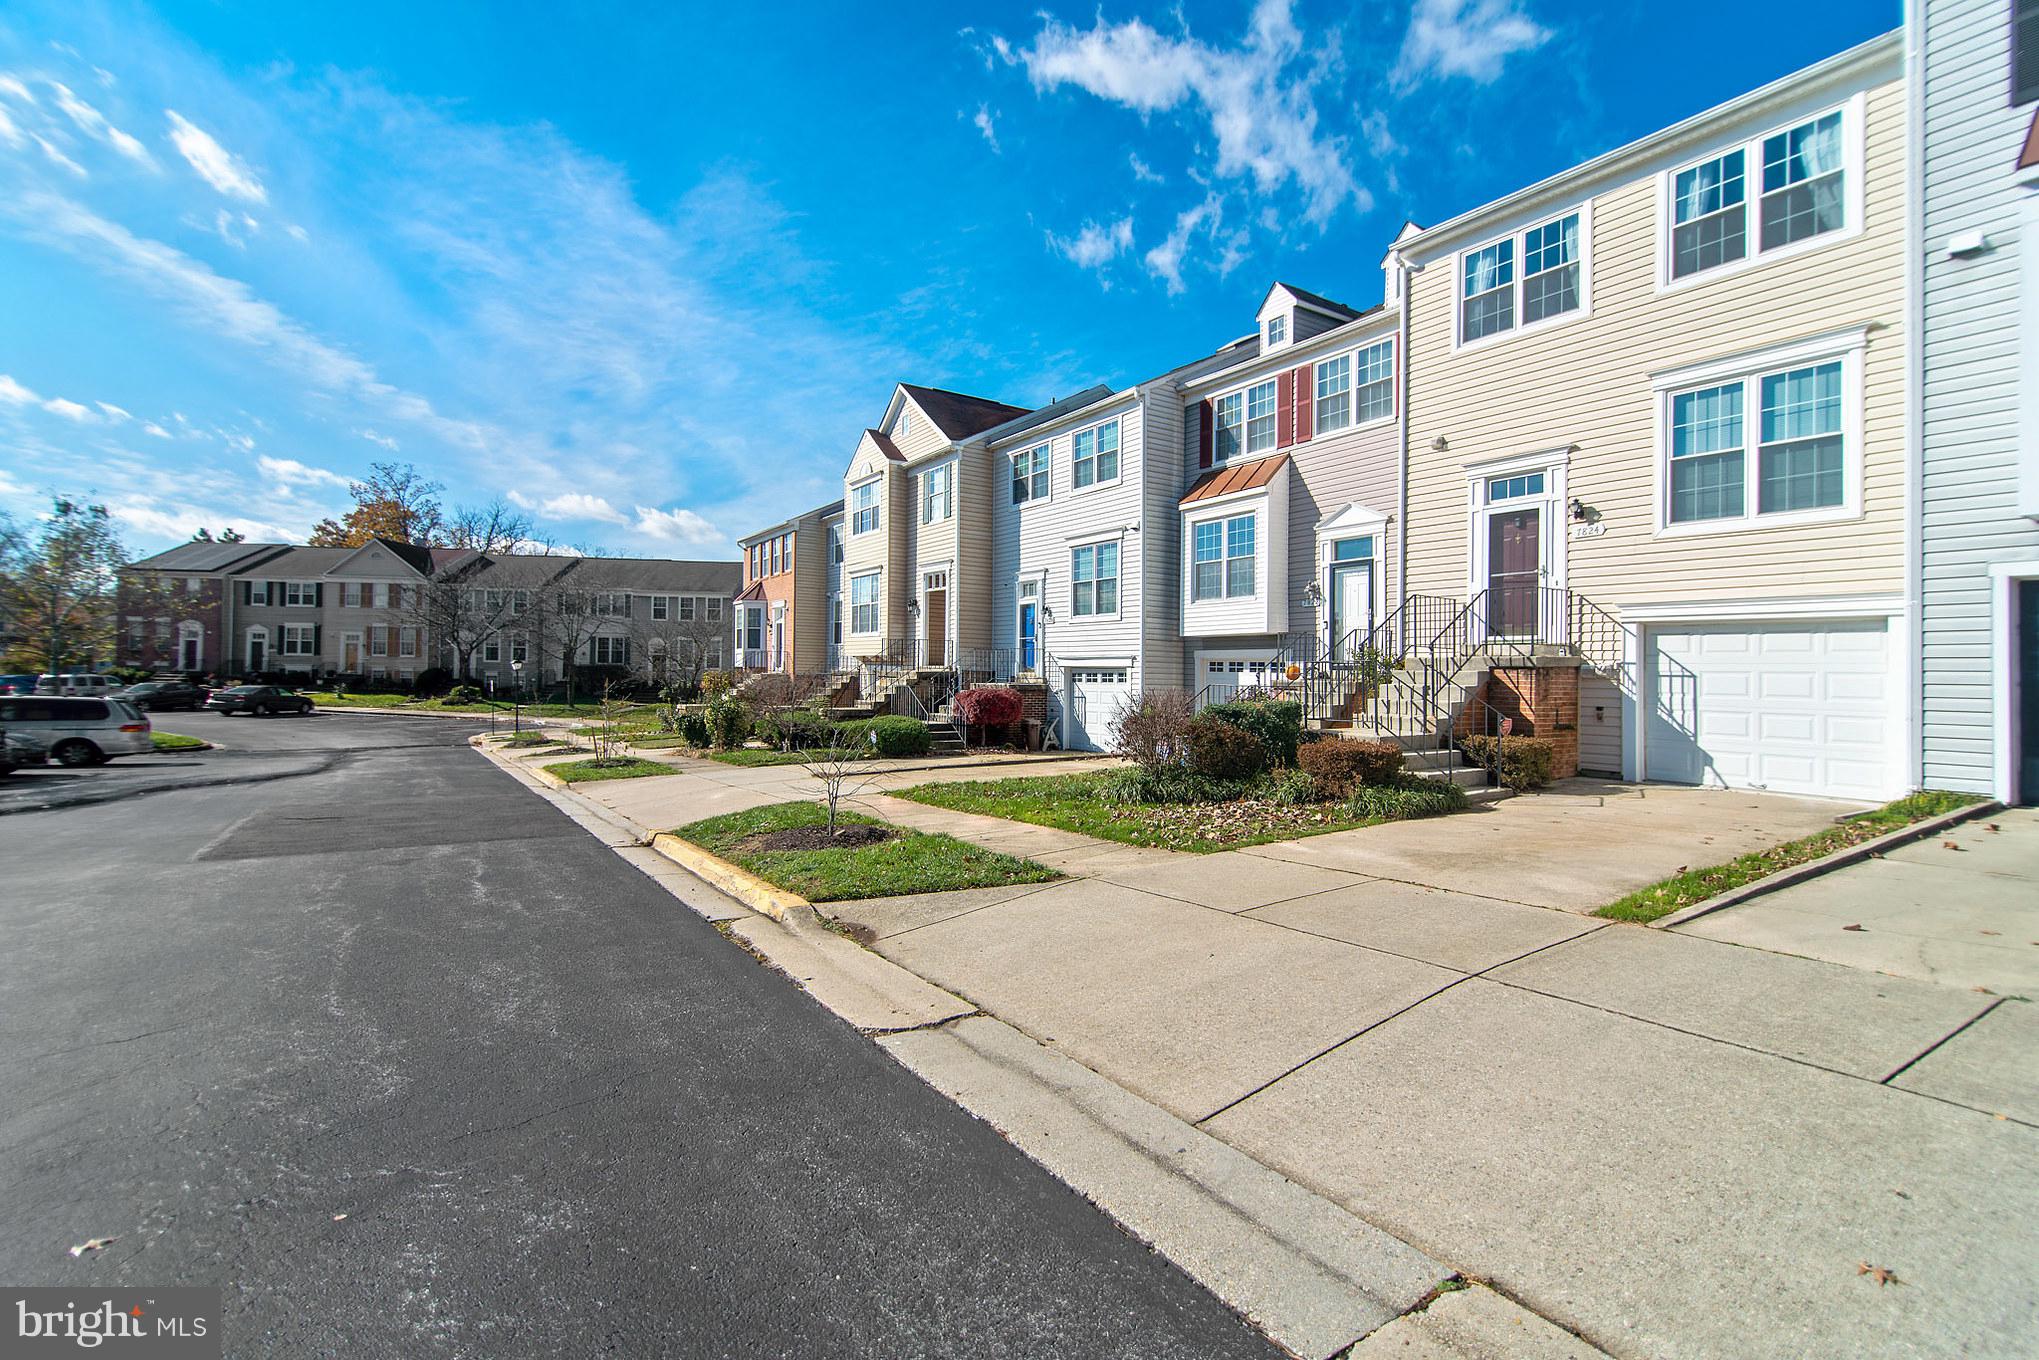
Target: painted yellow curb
[(744, 886), (545, 776)]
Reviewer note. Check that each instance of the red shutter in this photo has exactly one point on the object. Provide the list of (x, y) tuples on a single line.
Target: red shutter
[(1306, 405), (1203, 434), (1285, 409)]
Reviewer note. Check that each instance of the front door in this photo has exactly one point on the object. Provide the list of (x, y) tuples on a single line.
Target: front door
[(934, 611), (350, 654), (1351, 608), (1029, 628), (258, 654), (187, 659), (1514, 559)]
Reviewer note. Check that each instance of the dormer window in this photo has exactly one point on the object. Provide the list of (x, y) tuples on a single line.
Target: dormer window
[(1277, 331)]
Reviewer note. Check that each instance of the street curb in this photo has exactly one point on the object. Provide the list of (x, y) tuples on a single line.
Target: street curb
[(1839, 859), (741, 884)]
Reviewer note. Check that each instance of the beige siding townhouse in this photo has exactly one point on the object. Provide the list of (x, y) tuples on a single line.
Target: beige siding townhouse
[(1656, 409)]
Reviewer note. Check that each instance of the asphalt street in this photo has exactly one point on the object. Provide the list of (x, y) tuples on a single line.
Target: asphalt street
[(406, 1063)]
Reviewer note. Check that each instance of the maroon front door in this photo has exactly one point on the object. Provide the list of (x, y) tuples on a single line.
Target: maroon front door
[(1514, 554)]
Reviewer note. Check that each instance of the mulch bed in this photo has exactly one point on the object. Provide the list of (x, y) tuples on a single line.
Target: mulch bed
[(817, 838)]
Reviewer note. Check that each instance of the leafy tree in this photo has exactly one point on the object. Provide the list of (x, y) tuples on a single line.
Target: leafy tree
[(204, 535), (395, 501), (58, 586)]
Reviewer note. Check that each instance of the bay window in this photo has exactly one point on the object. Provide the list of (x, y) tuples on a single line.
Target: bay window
[(1222, 559)]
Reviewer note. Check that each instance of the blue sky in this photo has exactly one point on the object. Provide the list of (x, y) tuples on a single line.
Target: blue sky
[(649, 269)]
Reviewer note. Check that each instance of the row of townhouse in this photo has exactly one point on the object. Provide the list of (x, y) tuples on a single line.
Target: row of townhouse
[(388, 610), (1713, 456)]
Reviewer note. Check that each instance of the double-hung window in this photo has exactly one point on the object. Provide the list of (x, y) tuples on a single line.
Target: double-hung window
[(661, 607), (1030, 475), (1277, 330), (1533, 276), (406, 642), (1094, 579), (688, 607), (1800, 457), (297, 639), (1374, 394), (864, 508), (258, 592), (1228, 425), (612, 651), (1800, 191), (864, 603), (300, 594), (1222, 559), (520, 648), (1260, 412), (1334, 394), (492, 649), (1094, 455), (938, 493)]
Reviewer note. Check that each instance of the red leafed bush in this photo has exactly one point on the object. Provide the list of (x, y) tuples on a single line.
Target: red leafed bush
[(988, 706)]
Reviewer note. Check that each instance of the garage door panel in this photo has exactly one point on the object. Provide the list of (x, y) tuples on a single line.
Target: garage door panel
[(1098, 702), (1800, 707)]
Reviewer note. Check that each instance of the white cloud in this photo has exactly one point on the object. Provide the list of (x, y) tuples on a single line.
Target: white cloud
[(374, 438), (69, 410), (580, 505), (57, 157), (987, 123), (114, 413), (1469, 38), (9, 85), (151, 428), (677, 526), (181, 522), (214, 163), (289, 472), (93, 123), (14, 394), (9, 133), (298, 232), (1165, 260), (1258, 98), (1096, 245), (1143, 172)]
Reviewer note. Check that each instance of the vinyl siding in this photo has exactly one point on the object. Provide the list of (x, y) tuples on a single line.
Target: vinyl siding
[(809, 622), (1970, 401), (974, 584), (1586, 383), (1161, 541), (933, 548), (883, 550)]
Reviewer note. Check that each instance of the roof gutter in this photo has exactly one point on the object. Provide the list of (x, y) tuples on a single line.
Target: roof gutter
[(1403, 272)]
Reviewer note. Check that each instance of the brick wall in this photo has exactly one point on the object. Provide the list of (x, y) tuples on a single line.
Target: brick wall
[(1543, 701)]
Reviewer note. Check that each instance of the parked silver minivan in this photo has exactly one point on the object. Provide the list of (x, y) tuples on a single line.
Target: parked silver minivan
[(78, 731), (81, 684)]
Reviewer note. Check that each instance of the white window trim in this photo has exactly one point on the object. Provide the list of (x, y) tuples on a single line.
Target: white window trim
[(1244, 454), (1228, 508), (2004, 679), (877, 605), (1268, 342), (1099, 485), (1028, 453), (946, 466), (1853, 111), (1848, 347), (1352, 354), (877, 504), (302, 588), (1584, 209), (1118, 580)]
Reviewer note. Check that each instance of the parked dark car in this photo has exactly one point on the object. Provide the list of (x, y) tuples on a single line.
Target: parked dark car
[(160, 694), (18, 684), (18, 749), (259, 700)]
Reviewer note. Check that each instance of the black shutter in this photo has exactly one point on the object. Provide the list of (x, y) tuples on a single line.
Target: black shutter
[(2024, 51), (246, 588), (318, 631), (318, 594)]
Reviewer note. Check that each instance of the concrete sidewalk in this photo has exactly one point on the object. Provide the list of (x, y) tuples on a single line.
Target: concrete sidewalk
[(1674, 1146)]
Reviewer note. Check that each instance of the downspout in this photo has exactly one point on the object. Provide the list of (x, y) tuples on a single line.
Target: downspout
[(1915, 386), (1402, 273)]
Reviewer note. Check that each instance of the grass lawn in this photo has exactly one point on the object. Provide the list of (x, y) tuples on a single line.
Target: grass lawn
[(621, 767), (519, 740), (1696, 885), (175, 741), (657, 741), (914, 863), (1074, 802), (747, 757)]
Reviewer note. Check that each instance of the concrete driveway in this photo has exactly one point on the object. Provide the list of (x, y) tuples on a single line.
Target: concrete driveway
[(1676, 1146)]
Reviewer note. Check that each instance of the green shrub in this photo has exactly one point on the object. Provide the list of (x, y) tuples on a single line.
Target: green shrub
[(463, 694), (1217, 749), (1168, 784), (1524, 762), (1278, 723), (892, 735), (1409, 797), (728, 721), (433, 680), (693, 729), (798, 729), (1292, 788), (1340, 766)]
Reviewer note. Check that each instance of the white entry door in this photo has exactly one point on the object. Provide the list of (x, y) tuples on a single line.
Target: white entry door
[(1797, 707), (1098, 700)]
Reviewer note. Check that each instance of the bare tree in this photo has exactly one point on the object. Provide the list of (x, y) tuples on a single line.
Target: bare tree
[(495, 528), (841, 770), (567, 617), (674, 650)]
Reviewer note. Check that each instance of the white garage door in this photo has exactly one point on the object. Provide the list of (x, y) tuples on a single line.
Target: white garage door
[(1787, 707), (1221, 675), (1098, 699)]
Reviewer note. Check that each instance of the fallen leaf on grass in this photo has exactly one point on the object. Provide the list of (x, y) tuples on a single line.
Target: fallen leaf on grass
[(1877, 1273), (1992, 932), (1851, 927), (93, 1244), (1984, 990), (1992, 826), (1949, 845)]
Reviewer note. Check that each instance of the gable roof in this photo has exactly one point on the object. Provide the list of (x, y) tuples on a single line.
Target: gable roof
[(1235, 477), (885, 445), (204, 556), (1314, 301), (957, 414)]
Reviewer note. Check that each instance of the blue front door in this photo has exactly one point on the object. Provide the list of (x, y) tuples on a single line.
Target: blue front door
[(1026, 636)]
